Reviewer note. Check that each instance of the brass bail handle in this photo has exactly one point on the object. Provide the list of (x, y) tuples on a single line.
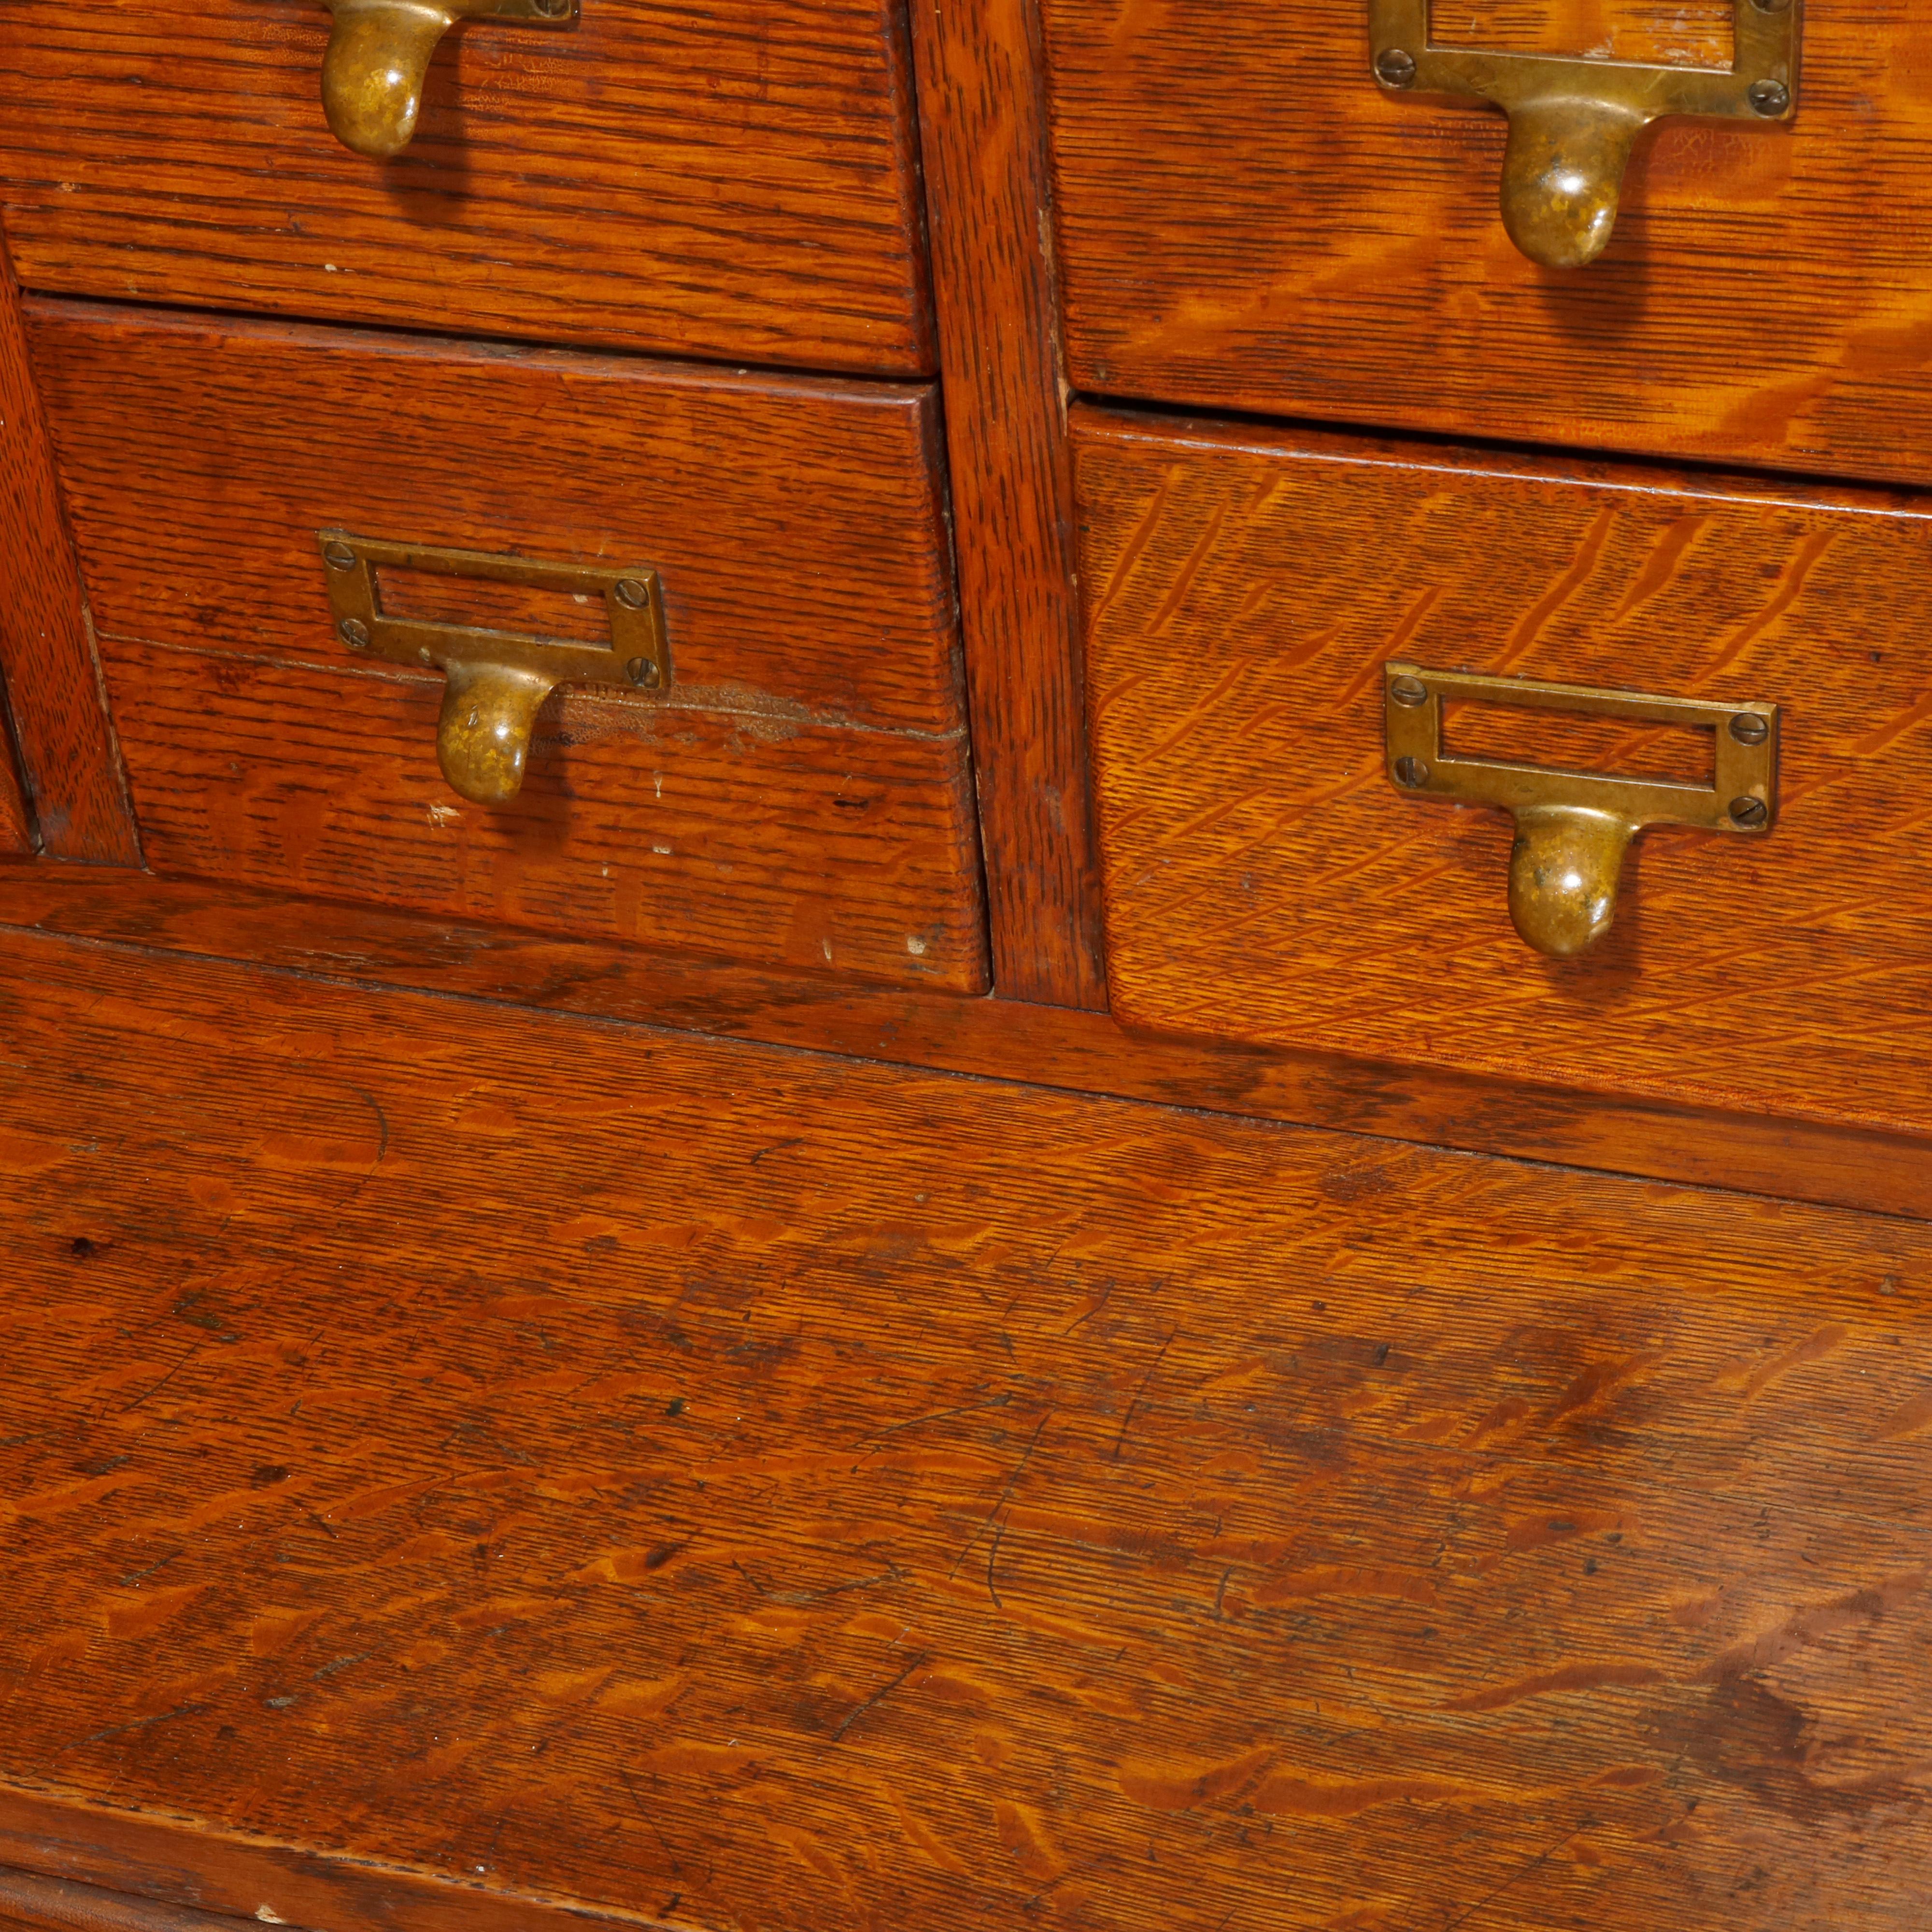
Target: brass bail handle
[(379, 52), (495, 682), (1573, 122), (1573, 829)]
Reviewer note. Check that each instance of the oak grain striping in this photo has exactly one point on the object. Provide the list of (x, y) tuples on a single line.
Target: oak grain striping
[(912, 1497), (730, 183), (1266, 880)]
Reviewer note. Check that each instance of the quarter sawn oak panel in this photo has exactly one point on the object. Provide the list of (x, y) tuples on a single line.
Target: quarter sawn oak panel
[(1246, 221), (686, 1476), (734, 182), (1265, 880)]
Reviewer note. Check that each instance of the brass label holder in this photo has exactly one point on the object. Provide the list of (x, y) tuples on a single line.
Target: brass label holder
[(380, 51), (495, 681), (1573, 828), (1572, 121)]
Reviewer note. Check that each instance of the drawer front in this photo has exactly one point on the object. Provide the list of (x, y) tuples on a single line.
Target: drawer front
[(1249, 220), (735, 182), (798, 795), (1267, 880)]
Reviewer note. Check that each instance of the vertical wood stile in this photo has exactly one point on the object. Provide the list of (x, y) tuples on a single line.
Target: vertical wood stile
[(983, 116)]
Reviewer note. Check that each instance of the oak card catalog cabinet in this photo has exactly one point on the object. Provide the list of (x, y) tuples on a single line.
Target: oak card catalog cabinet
[(966, 964)]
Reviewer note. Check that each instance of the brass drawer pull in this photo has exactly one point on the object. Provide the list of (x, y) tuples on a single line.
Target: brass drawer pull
[(379, 50), (495, 681), (1573, 828), (1572, 121)]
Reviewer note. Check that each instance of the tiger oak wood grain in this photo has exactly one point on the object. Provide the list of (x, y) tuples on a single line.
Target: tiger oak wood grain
[(766, 1490), (983, 118), (798, 523), (1267, 881), (1245, 221), (1048, 1046), (733, 183), (56, 709), (722, 832)]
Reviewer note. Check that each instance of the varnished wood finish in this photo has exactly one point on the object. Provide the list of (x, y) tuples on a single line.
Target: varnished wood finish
[(16, 824), (1073, 1052), (707, 831), (1266, 880), (30, 1902), (693, 1477), (984, 118), (801, 795), (60, 730), (1664, 32), (158, 1860), (798, 523), (734, 183), (1247, 221)]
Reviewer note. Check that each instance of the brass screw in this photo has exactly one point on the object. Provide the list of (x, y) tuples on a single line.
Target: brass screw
[(1410, 771), (632, 594), (1394, 68), (1409, 691), (1772, 6), (1749, 812), (642, 671), (551, 10), (423, 652), (338, 556), (354, 633), (1770, 97), (1748, 728)]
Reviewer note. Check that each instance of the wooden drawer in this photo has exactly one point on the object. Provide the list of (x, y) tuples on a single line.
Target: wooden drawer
[(1266, 879), (1247, 220), (734, 182), (800, 795)]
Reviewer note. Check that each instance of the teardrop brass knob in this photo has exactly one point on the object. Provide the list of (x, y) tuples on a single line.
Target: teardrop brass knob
[(483, 733), (1573, 828), (1563, 175), (379, 52), (372, 76), (495, 681), (1573, 119), (1563, 871)]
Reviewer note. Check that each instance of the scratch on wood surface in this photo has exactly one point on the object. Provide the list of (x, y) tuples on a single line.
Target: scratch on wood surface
[(1006, 1495), (1126, 1420), (878, 1696)]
